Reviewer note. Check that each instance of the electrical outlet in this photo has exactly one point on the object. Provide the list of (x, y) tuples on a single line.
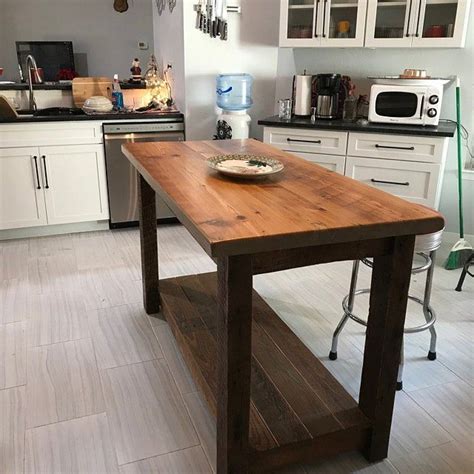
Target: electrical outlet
[(142, 45)]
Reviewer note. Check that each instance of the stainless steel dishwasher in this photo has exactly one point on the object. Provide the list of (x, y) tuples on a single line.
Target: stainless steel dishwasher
[(122, 176)]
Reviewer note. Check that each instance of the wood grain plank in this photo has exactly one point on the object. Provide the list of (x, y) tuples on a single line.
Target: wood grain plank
[(13, 300), (302, 206), (388, 301)]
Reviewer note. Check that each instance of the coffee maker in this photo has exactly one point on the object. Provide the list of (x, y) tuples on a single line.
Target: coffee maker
[(326, 91)]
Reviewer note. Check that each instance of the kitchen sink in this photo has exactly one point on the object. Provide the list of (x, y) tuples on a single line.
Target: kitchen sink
[(51, 112)]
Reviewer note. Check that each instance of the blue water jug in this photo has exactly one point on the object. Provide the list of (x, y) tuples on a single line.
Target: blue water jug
[(234, 91)]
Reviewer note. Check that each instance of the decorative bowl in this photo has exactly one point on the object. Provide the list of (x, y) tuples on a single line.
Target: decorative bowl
[(245, 165)]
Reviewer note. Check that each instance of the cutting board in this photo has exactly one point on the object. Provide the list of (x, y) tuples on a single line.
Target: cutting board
[(6, 108), (85, 87)]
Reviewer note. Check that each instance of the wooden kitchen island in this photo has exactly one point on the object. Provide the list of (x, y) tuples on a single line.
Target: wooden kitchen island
[(275, 403)]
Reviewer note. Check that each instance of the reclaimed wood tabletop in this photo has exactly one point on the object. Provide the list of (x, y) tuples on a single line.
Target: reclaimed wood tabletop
[(305, 204)]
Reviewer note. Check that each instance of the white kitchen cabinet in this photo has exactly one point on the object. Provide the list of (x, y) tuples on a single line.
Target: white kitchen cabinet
[(416, 182), (21, 195), (417, 23), (331, 162), (411, 167), (74, 183), (59, 179), (306, 140), (322, 23)]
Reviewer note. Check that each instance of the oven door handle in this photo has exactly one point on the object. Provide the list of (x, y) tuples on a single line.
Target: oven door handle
[(408, 148)]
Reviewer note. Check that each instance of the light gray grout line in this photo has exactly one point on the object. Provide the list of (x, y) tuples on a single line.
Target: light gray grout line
[(65, 421), (436, 421), (197, 431), (456, 374), (163, 454)]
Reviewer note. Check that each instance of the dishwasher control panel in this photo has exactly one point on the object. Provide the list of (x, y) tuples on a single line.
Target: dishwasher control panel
[(144, 127)]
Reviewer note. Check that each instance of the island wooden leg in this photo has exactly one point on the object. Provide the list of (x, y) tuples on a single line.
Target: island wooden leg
[(234, 327), (388, 303), (148, 246)]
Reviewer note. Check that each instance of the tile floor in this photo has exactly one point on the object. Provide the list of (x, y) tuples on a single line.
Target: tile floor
[(89, 383)]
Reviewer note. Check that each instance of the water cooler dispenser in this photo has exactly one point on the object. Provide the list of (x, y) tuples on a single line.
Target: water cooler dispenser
[(233, 99)]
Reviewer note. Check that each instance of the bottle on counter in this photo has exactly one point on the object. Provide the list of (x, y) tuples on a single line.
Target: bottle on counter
[(349, 112), (117, 95)]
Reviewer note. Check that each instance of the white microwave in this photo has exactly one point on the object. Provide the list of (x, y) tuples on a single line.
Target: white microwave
[(405, 104)]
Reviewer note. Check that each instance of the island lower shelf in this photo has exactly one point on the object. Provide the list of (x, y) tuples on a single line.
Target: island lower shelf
[(298, 410)]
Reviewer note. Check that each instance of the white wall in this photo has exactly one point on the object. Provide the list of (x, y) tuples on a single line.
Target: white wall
[(251, 48), (360, 63), (169, 47), (109, 39)]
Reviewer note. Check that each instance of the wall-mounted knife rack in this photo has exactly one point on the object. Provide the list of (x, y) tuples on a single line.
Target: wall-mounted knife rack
[(230, 8)]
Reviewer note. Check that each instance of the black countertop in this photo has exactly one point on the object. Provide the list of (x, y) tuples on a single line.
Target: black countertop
[(444, 129), (56, 86), (110, 116)]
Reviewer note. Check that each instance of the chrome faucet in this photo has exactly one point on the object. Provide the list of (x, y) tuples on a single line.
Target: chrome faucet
[(29, 65)]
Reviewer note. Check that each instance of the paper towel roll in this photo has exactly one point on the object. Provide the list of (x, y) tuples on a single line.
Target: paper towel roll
[(302, 94)]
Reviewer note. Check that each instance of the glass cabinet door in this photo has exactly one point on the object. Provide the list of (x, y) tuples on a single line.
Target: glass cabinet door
[(298, 23), (389, 22), (441, 23), (344, 23)]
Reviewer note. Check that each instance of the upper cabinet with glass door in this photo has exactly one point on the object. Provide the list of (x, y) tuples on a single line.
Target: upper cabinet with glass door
[(322, 23), (417, 23)]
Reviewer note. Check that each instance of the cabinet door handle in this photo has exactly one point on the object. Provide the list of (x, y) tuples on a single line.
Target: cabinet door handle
[(38, 185), (324, 17), (410, 148), (406, 183), (409, 18), (418, 19), (316, 20), (43, 157), (289, 140)]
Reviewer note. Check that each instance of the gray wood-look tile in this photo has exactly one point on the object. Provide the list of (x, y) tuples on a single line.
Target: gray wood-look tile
[(53, 273), (12, 430), (63, 383), (456, 457), (56, 317), (122, 335), (432, 428), (147, 415), (204, 423), (12, 354), (13, 259), (185, 461), (76, 446), (13, 298), (50, 246), (451, 405), (174, 359), (106, 287), (413, 429), (95, 250)]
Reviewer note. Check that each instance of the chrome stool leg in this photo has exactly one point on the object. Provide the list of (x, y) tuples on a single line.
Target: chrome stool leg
[(345, 317), (400, 367), (427, 310)]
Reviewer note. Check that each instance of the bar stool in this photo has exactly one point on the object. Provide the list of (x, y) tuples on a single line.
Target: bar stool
[(425, 247)]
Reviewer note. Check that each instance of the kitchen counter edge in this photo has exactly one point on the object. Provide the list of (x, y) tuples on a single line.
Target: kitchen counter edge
[(444, 129)]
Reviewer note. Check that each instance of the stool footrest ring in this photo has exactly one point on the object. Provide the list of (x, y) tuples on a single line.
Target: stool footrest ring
[(422, 327)]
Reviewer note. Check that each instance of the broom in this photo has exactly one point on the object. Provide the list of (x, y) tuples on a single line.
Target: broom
[(461, 250)]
